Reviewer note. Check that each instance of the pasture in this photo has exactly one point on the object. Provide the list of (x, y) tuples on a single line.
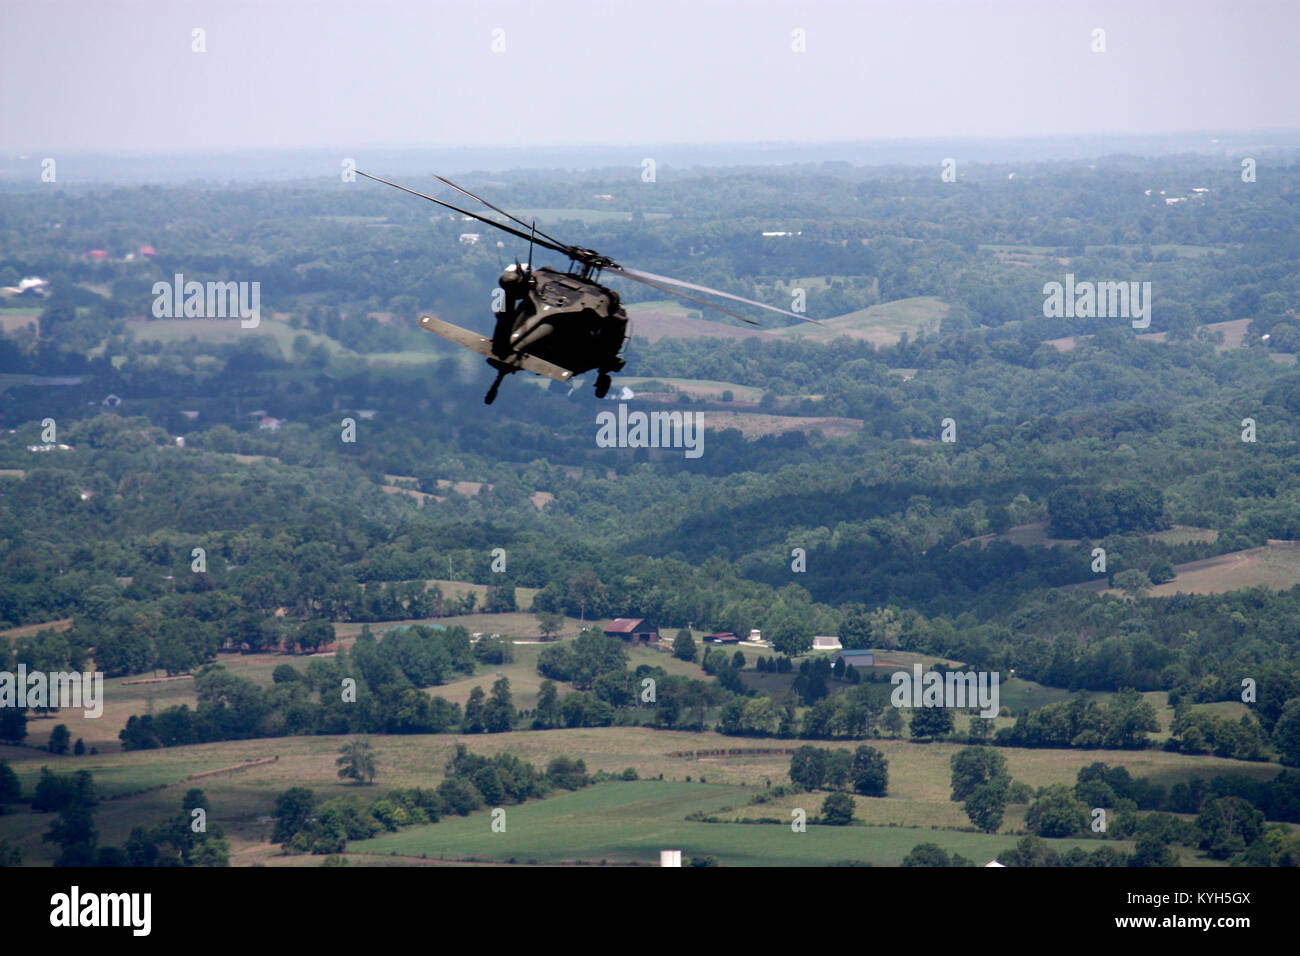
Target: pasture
[(614, 821), (883, 324)]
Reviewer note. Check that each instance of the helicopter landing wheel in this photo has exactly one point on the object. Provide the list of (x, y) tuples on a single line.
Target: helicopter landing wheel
[(491, 396), (603, 382)]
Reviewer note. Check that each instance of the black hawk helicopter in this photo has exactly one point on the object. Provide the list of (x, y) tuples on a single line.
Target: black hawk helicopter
[(559, 324)]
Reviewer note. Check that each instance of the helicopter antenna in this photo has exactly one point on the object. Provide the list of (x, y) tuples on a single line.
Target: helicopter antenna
[(530, 247)]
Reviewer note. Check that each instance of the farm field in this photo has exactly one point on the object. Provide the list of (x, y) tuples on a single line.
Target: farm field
[(1033, 535), (1233, 333), (458, 589), (882, 324), (546, 218), (653, 321), (624, 821), (630, 822), (756, 424), (516, 625), (696, 388), (1275, 565), (229, 331)]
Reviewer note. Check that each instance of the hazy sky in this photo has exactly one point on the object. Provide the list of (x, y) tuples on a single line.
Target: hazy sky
[(107, 75)]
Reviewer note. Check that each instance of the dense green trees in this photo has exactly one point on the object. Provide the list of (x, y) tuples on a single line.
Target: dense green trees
[(931, 854), (1122, 722), (986, 804), (974, 766), (980, 779), (870, 772), (837, 809), (1057, 813), (584, 659), (1228, 825), (10, 788), (1286, 733), (808, 767), (60, 740), (499, 713), (1090, 513), (930, 722), (816, 768)]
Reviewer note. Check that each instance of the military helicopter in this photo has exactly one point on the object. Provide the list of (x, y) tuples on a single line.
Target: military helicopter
[(559, 324)]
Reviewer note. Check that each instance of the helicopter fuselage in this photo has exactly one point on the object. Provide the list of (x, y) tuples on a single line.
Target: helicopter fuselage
[(561, 317), (558, 324)]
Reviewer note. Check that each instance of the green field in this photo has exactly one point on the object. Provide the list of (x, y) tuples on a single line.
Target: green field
[(670, 306), (1178, 249), (696, 387), (549, 217), (1275, 565), (457, 589), (228, 331), (615, 821), (631, 822), (881, 324)]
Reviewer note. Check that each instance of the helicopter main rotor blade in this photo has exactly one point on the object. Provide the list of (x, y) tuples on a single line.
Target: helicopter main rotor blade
[(591, 259), (554, 247), (638, 277), (661, 282), (466, 192)]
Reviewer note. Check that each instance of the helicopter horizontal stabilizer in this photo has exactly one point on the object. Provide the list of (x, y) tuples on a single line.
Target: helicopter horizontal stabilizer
[(483, 346)]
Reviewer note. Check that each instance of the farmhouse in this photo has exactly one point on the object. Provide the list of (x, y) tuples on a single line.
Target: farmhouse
[(856, 658), (824, 642), (721, 637), (634, 629)]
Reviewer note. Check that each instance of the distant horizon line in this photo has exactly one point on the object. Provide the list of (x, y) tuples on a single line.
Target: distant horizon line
[(11, 152)]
